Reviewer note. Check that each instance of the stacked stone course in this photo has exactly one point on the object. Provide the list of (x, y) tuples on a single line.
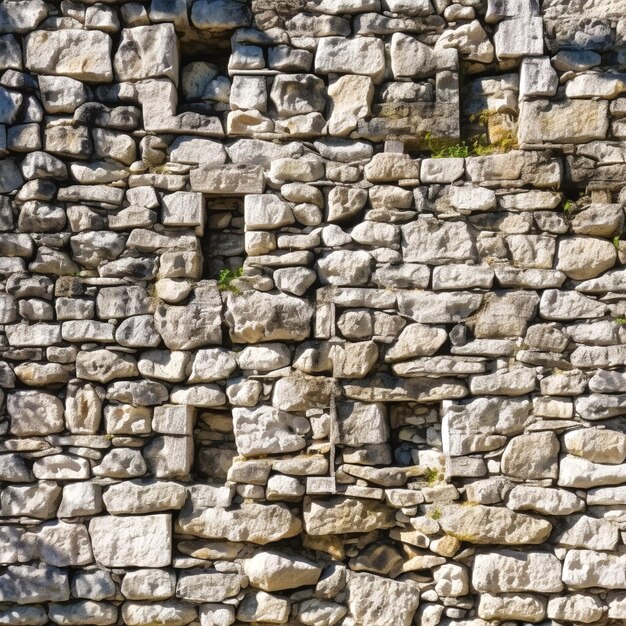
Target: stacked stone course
[(313, 312)]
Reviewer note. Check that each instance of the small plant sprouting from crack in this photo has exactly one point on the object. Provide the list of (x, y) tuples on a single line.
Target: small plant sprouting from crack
[(226, 278), (432, 475), (616, 242), (620, 320)]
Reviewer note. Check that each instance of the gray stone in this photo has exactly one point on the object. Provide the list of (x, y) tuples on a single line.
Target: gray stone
[(570, 121), (345, 515), (149, 584), (275, 571), (80, 54), (219, 15), (267, 430), (586, 568), (531, 456), (362, 55), (509, 571), (481, 525), (34, 413), (254, 317), (132, 541), (207, 586), (256, 523), (376, 600), (32, 584), (147, 52)]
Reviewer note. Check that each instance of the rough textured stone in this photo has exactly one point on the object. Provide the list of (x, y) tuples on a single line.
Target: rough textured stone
[(85, 55), (133, 541)]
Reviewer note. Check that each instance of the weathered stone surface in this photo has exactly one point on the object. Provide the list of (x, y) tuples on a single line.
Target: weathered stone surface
[(34, 413), (585, 568), (581, 473), (58, 543), (254, 316), (596, 444), (138, 497), (511, 607), (509, 571), (207, 586), (544, 500), (582, 258), (31, 584), (344, 515), (132, 541), (351, 99), (256, 523), (582, 531), (531, 456), (482, 424), (275, 571), (429, 240), (147, 52), (81, 54), (373, 599), (364, 56), (267, 430), (570, 121), (492, 525)]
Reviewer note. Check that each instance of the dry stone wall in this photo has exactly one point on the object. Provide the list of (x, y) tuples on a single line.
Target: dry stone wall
[(313, 312)]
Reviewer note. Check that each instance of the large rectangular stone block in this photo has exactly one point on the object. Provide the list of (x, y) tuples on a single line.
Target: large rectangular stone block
[(133, 541)]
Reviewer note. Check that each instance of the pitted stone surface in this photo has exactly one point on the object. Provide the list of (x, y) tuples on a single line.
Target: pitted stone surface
[(312, 312)]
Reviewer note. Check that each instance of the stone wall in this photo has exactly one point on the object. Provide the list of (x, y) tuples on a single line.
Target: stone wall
[(313, 312)]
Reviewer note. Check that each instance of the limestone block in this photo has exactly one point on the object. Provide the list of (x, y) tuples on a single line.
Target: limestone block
[(149, 584), (544, 500), (596, 444), (438, 308), (81, 54), (350, 100), (39, 501), (144, 496), (262, 212), (410, 58), (377, 600), (263, 607), (266, 430), (505, 606), (147, 52), (343, 515), (580, 473), (198, 585), (255, 316), (586, 568), (298, 94), (482, 424), (22, 16), (493, 525), (582, 258), (219, 15), (519, 37), (31, 584), (132, 541), (275, 571), (256, 523), (57, 543), (509, 571), (34, 413), (570, 121), (172, 612), (429, 240), (362, 55)]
